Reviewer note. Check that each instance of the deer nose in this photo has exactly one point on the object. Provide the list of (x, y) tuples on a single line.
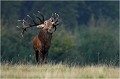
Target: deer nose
[(40, 26)]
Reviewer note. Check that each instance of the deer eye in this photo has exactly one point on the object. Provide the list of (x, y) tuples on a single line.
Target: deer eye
[(45, 22)]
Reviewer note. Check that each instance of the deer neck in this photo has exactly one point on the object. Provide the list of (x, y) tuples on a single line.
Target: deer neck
[(45, 38)]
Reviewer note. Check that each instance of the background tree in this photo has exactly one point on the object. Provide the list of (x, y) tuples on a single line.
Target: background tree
[(88, 32)]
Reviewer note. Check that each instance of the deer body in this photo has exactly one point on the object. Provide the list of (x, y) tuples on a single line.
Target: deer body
[(42, 41), (41, 45)]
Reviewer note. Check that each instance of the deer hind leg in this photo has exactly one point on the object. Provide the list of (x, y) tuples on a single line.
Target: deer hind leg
[(37, 56), (43, 58)]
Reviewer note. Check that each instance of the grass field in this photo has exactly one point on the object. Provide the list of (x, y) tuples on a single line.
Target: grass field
[(58, 71)]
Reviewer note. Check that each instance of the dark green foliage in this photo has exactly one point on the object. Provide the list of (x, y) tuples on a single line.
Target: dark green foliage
[(87, 34), (98, 45)]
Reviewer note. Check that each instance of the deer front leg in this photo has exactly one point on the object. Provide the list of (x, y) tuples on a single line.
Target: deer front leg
[(41, 58), (45, 60)]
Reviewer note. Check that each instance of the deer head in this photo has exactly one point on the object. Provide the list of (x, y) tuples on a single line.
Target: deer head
[(49, 24)]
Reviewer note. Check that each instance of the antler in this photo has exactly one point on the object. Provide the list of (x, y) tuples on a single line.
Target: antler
[(26, 25), (42, 16), (41, 20), (54, 19)]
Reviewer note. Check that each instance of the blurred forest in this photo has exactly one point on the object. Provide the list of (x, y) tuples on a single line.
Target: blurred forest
[(88, 32)]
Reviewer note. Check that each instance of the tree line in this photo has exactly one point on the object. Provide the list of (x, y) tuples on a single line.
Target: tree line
[(87, 34)]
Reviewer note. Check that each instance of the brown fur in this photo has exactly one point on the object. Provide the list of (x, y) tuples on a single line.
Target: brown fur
[(41, 45)]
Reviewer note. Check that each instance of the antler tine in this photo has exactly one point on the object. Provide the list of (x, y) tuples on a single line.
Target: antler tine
[(55, 14), (42, 16), (57, 17), (29, 17), (52, 14), (19, 20), (24, 26), (32, 19), (37, 17), (23, 23), (52, 18), (22, 32)]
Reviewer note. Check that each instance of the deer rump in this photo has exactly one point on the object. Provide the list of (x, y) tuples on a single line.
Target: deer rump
[(41, 45)]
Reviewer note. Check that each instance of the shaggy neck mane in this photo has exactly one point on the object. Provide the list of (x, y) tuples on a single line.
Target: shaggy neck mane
[(45, 38)]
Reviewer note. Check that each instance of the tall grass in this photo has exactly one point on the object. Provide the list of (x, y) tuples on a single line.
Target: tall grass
[(58, 71)]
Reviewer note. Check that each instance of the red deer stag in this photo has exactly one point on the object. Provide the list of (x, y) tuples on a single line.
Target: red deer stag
[(42, 41)]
